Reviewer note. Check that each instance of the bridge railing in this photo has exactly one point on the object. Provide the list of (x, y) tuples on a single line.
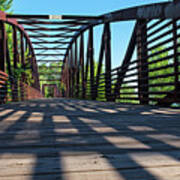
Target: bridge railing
[(151, 76), (18, 68), (149, 72), (13, 90)]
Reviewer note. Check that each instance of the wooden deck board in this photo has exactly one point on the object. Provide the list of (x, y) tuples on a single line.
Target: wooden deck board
[(87, 140)]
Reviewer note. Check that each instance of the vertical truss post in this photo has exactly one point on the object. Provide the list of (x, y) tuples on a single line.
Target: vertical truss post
[(23, 75), (36, 83), (66, 76), (91, 58), (8, 59), (87, 66), (176, 58), (26, 44), (2, 46), (34, 67), (3, 57), (76, 72), (100, 61), (142, 61), (9, 66), (43, 89), (69, 73), (29, 55), (82, 65), (108, 62), (16, 60), (72, 72)]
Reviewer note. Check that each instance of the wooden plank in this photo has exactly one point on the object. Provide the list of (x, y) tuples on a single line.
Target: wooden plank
[(96, 163), (88, 140), (79, 163)]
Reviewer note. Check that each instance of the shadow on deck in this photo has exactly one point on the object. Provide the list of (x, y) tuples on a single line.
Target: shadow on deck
[(78, 140)]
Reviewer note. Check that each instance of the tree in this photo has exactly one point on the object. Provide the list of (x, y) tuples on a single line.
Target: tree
[(5, 5), (48, 72)]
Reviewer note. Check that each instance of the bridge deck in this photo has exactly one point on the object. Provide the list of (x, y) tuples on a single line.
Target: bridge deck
[(86, 140)]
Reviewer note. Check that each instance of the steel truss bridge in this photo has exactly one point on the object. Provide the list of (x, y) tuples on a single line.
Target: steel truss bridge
[(103, 122)]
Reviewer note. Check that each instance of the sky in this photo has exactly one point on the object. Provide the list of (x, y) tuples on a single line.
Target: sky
[(121, 32), (86, 7)]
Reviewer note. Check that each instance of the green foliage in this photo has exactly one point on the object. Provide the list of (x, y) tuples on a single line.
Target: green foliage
[(24, 70), (124, 94), (50, 71), (5, 5), (153, 74), (163, 71)]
